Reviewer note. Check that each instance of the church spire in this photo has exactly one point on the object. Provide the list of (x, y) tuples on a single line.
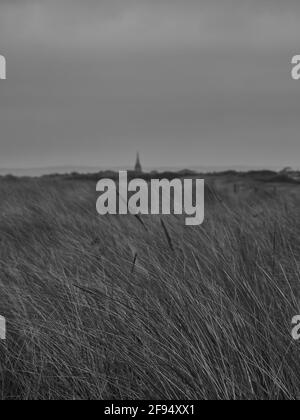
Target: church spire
[(138, 166)]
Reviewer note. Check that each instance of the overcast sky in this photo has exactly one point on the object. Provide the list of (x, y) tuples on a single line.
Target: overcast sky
[(185, 82)]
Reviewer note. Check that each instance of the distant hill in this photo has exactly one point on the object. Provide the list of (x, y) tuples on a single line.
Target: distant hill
[(35, 172)]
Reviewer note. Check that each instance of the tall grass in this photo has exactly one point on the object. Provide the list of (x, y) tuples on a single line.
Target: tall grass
[(101, 308)]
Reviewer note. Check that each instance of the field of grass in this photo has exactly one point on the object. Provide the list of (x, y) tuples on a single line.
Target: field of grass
[(118, 307)]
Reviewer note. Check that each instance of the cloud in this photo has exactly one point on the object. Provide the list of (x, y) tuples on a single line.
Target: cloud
[(149, 23), (95, 79)]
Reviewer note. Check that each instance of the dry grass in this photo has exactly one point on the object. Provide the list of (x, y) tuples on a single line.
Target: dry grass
[(102, 308)]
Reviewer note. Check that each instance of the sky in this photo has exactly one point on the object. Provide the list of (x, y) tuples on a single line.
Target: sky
[(186, 82)]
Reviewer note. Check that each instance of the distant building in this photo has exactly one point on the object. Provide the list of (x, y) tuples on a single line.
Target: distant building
[(138, 166)]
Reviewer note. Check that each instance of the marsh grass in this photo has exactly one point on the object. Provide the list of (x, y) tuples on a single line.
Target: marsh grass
[(102, 308)]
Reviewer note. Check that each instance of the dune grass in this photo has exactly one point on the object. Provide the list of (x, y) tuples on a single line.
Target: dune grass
[(110, 308)]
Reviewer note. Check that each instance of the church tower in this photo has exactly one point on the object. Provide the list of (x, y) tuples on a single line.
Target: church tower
[(138, 166)]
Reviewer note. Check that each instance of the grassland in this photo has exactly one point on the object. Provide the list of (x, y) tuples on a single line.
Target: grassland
[(118, 308)]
